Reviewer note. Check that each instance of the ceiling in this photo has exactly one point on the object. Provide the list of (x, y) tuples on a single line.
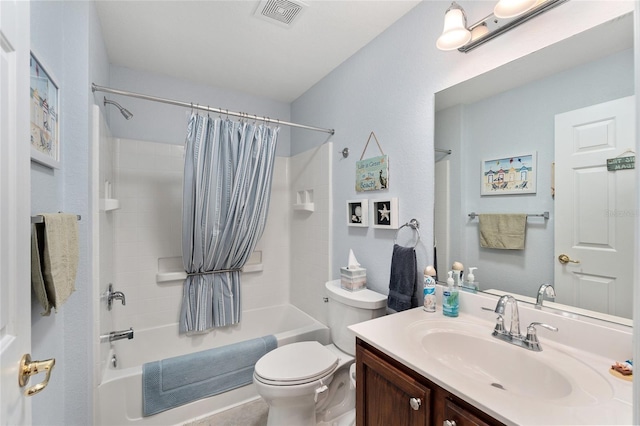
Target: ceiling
[(222, 44)]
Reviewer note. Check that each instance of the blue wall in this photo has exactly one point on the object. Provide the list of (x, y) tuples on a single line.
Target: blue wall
[(66, 37)]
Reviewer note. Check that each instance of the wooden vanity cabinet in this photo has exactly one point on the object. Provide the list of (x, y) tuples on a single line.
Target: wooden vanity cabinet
[(389, 393)]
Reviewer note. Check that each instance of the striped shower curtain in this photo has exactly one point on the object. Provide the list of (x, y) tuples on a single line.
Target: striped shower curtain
[(228, 172)]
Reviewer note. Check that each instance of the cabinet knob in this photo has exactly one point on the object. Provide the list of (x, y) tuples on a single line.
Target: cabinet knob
[(449, 423), (415, 403)]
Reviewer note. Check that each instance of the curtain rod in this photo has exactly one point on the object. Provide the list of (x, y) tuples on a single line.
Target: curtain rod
[(96, 88)]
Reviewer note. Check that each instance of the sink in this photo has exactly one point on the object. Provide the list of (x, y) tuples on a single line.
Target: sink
[(468, 351)]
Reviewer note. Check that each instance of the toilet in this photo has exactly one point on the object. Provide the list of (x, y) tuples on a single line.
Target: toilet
[(306, 383)]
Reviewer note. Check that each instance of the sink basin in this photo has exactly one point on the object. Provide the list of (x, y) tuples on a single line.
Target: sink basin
[(468, 350)]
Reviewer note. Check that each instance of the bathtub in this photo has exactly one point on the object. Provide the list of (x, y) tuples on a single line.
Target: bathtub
[(119, 399)]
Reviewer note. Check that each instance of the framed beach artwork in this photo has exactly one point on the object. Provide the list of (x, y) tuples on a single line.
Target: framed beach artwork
[(385, 213), (358, 213), (45, 115), (509, 175)]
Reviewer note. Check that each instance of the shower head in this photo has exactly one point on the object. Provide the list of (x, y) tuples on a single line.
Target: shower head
[(125, 112)]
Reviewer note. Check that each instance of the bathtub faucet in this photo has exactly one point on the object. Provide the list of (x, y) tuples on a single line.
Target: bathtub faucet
[(117, 335), (114, 295)]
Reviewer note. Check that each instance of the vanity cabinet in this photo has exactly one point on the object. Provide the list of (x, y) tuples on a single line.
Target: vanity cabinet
[(390, 393)]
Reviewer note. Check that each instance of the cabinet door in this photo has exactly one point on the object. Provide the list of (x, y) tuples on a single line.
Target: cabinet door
[(387, 396), (459, 416)]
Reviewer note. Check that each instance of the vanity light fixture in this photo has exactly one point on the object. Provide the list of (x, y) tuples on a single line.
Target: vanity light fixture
[(455, 33), (507, 14)]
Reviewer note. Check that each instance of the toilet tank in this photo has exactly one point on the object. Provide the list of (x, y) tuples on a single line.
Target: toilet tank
[(351, 307)]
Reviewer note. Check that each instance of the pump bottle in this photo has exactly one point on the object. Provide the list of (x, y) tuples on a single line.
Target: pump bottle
[(450, 300)]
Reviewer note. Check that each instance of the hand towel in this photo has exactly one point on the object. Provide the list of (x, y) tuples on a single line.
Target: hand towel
[(37, 280), (502, 231), (60, 256), (403, 280)]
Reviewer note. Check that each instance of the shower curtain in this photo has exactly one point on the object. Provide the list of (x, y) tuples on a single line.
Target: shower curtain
[(228, 172)]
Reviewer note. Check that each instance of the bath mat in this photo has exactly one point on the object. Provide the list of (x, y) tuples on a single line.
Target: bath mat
[(179, 380)]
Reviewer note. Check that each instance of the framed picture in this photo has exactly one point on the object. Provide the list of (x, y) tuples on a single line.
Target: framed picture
[(45, 116), (358, 213), (509, 175), (385, 213)]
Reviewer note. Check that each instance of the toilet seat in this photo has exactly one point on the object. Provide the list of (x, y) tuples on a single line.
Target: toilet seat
[(296, 364)]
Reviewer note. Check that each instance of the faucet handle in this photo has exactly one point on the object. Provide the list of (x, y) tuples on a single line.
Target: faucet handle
[(499, 328), (532, 337)]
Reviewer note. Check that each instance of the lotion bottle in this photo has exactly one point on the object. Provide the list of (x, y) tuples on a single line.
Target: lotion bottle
[(429, 289), (450, 301)]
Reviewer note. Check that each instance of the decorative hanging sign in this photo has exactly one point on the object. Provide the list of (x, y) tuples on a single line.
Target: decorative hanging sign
[(372, 174), (621, 163)]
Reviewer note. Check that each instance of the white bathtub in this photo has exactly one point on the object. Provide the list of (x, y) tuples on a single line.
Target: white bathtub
[(119, 400)]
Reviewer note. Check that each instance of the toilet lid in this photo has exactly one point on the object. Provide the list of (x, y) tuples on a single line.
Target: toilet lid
[(296, 363)]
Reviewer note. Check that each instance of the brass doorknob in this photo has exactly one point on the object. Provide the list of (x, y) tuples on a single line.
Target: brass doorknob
[(30, 368), (564, 259)]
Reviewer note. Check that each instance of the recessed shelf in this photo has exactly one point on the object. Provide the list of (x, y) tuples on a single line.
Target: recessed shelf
[(108, 204), (170, 268), (307, 207)]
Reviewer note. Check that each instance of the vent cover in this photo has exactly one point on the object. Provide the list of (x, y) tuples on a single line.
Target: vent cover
[(281, 12)]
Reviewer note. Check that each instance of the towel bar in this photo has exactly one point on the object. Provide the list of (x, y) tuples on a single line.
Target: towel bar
[(39, 219), (473, 215)]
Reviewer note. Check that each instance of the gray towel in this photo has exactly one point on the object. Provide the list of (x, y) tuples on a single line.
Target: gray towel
[(37, 280), (179, 380), (403, 281)]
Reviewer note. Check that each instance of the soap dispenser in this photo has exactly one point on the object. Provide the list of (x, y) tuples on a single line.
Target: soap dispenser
[(450, 300), (471, 283)]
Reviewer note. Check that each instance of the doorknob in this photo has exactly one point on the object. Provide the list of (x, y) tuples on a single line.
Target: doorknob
[(30, 368), (564, 259)]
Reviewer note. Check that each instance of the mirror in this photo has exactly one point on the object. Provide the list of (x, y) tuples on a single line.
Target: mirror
[(509, 113)]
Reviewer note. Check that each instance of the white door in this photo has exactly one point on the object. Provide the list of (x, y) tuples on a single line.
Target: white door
[(595, 208), (15, 285)]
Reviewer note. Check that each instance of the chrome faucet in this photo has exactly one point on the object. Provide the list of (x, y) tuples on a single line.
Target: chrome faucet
[(117, 335), (513, 336), (114, 295), (544, 290)]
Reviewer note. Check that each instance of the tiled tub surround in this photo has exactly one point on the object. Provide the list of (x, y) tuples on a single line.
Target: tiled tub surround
[(592, 344)]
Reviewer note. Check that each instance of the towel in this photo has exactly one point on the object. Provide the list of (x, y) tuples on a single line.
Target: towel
[(37, 280), (503, 231), (56, 242), (179, 380), (403, 280)]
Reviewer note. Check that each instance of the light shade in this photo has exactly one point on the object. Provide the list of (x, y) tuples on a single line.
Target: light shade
[(479, 31), (512, 8), (455, 33)]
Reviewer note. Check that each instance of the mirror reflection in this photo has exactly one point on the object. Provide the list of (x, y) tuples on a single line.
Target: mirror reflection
[(548, 121)]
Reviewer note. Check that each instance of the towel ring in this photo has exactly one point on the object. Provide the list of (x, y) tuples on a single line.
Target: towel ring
[(413, 224)]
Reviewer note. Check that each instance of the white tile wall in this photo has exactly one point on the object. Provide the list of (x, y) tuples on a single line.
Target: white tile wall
[(311, 231)]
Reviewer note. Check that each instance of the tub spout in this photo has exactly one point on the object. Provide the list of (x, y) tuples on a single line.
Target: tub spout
[(117, 335)]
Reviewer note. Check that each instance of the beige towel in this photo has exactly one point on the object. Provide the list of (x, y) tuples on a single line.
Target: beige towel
[(37, 280), (60, 256), (503, 231)]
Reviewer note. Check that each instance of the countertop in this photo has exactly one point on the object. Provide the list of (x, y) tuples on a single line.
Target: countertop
[(396, 336)]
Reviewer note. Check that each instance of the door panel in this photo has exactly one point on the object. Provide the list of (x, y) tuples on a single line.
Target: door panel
[(595, 208), (15, 293)]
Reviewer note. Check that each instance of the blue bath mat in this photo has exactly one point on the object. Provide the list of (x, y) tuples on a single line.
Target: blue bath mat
[(179, 380)]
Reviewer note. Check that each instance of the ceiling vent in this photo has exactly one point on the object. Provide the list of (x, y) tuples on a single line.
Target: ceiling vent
[(281, 12)]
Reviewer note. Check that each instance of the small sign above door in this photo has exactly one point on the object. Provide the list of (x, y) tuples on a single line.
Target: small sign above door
[(621, 163)]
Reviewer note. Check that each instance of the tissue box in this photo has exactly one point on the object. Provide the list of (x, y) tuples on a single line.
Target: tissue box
[(353, 279)]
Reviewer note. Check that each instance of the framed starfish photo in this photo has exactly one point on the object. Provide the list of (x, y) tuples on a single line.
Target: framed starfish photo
[(358, 213), (385, 213)]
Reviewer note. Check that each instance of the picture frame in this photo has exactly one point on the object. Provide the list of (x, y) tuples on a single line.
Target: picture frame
[(385, 213), (358, 213), (45, 115), (509, 175)]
